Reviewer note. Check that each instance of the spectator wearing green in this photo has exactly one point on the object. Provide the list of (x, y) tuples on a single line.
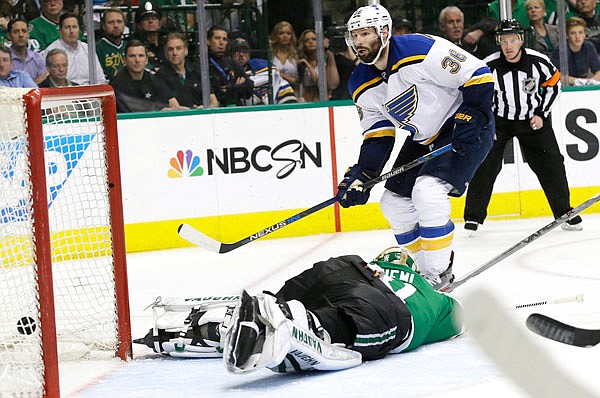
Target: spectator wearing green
[(44, 29), (519, 11), (111, 47), (4, 18)]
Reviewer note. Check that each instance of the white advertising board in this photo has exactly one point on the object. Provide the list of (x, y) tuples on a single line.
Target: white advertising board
[(224, 163), (210, 164)]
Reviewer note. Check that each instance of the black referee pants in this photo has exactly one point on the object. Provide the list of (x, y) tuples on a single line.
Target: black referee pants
[(540, 150)]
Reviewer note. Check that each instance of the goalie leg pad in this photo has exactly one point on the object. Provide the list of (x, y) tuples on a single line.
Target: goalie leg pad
[(179, 332), (266, 333)]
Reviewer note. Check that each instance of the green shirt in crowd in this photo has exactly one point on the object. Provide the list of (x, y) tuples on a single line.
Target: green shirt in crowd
[(111, 56)]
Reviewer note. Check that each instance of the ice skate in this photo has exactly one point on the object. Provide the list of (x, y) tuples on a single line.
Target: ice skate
[(572, 224), (446, 277), (471, 227)]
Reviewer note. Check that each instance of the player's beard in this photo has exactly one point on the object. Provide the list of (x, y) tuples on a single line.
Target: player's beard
[(372, 54)]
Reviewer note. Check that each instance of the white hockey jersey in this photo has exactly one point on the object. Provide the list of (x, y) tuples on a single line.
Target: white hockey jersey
[(420, 89)]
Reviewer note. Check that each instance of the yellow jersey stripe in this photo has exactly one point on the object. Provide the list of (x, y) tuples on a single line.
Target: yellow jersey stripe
[(430, 140), (437, 243), (407, 60), (414, 246), (487, 78), (366, 85), (385, 132)]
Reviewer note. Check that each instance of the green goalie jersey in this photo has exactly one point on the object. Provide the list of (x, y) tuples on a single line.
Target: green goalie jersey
[(433, 312)]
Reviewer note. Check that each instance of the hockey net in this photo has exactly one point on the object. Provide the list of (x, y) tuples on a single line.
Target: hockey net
[(63, 282)]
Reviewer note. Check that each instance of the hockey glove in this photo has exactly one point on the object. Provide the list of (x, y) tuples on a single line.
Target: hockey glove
[(350, 190), (466, 136)]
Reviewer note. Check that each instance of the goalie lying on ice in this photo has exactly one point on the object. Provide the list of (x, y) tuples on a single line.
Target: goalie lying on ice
[(335, 315)]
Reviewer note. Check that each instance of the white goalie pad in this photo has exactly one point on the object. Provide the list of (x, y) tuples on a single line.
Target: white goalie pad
[(283, 344), (189, 328), (307, 352)]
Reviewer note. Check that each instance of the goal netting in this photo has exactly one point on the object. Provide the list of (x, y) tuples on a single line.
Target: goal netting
[(63, 283)]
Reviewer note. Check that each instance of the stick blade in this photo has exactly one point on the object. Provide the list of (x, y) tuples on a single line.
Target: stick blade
[(558, 331), (197, 238), (509, 345)]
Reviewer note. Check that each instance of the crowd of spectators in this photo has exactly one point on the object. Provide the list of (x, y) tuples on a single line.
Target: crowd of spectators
[(152, 63)]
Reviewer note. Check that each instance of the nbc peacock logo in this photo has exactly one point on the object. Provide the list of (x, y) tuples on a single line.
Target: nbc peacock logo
[(185, 165)]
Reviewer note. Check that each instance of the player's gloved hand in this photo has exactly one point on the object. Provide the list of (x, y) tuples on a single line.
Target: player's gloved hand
[(466, 136), (350, 192)]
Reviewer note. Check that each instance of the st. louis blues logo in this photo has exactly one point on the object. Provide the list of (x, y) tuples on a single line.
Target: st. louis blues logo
[(403, 107)]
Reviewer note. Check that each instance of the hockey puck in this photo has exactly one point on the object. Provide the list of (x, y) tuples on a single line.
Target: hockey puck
[(26, 325)]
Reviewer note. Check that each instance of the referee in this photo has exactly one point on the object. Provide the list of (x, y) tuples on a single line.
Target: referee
[(526, 86)]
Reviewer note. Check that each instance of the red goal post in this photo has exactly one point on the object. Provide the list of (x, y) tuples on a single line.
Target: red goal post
[(63, 261)]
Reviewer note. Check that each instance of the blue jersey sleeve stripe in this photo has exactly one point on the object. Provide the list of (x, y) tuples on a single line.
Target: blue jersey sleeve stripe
[(407, 238), (380, 125), (484, 70), (437, 232), (383, 128)]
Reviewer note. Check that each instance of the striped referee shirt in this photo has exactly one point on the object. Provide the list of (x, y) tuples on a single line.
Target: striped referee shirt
[(525, 88)]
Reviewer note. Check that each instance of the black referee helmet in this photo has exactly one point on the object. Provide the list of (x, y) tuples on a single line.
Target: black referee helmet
[(509, 27)]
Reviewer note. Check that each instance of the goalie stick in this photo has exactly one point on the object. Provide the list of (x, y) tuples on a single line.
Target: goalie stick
[(521, 244), (555, 330), (197, 238), (506, 342)]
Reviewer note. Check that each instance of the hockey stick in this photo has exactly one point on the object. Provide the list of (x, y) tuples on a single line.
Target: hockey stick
[(578, 298), (555, 330), (515, 352), (196, 237), (518, 246)]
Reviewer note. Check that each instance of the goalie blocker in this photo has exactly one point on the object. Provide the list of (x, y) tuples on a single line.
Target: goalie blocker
[(335, 315)]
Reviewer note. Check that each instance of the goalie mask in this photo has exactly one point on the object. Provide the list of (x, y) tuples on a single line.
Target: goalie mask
[(400, 256), (373, 16)]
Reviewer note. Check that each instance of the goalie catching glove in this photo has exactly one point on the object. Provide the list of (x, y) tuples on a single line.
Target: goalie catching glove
[(350, 190)]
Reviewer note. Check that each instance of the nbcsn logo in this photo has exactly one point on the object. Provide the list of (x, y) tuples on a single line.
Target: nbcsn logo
[(185, 165)]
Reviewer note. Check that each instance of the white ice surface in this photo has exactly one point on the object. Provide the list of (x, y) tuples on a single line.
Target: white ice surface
[(560, 264)]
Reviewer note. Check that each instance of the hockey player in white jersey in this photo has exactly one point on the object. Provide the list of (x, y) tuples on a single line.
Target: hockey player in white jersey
[(438, 94)]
